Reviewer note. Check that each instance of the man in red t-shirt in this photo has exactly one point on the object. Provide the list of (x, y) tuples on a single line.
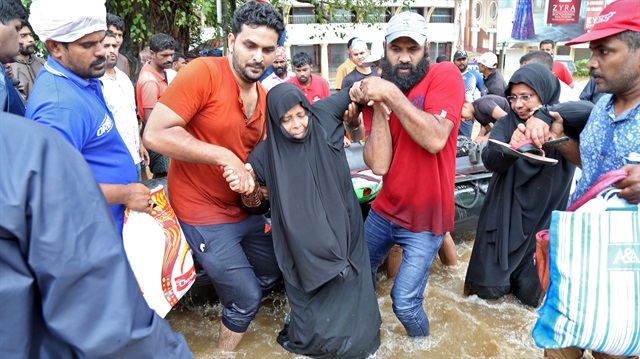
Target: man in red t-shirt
[(414, 148), (314, 87), (561, 71), (212, 116)]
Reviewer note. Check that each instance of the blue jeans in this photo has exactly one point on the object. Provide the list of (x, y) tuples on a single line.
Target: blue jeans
[(240, 261), (418, 251)]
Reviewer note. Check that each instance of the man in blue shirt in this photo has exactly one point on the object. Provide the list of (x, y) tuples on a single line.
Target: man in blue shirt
[(611, 138), (67, 288), (67, 96), (471, 92)]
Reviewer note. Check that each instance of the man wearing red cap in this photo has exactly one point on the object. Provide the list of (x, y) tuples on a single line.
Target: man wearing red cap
[(611, 137)]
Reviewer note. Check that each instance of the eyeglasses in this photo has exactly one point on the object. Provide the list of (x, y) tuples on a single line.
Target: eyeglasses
[(523, 98)]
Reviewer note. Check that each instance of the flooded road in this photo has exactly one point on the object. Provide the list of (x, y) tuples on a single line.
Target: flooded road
[(461, 327)]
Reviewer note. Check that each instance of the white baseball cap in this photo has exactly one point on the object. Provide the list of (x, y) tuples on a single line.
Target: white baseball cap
[(489, 59), (407, 24)]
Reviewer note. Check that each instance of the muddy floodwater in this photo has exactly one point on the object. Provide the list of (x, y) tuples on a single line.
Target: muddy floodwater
[(461, 327)]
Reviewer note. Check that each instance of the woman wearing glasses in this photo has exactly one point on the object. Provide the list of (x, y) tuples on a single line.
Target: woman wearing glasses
[(521, 194)]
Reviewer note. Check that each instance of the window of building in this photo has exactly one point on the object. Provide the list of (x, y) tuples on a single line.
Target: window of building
[(302, 15), (313, 51), (418, 10), (375, 15), (477, 11), (341, 16), (493, 10), (439, 48), (442, 15), (337, 55)]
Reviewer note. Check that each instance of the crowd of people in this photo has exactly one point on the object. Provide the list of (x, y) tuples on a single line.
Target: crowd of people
[(236, 141)]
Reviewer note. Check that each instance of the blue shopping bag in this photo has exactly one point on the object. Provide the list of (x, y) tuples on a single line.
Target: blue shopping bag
[(594, 277)]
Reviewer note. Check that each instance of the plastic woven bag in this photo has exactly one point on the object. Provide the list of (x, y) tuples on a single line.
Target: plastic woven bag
[(593, 298), (159, 254)]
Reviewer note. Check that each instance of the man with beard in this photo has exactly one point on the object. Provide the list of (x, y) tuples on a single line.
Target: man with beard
[(461, 59), (152, 82), (118, 93), (116, 24), (313, 86), (212, 116), (11, 14), (280, 73), (412, 144), (27, 65), (68, 97)]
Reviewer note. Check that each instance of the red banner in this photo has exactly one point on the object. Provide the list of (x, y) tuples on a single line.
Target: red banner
[(594, 8), (562, 12)]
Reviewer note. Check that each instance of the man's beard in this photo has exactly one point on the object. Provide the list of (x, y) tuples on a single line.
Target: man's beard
[(405, 82), (111, 63), (28, 50), (463, 69), (245, 73), (280, 71)]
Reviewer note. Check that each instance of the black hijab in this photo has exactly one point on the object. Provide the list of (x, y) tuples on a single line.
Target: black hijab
[(540, 79), (526, 194), (309, 191)]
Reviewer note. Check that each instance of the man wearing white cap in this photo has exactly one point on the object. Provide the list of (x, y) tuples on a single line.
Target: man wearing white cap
[(359, 52), (494, 83), (67, 96), (414, 148)]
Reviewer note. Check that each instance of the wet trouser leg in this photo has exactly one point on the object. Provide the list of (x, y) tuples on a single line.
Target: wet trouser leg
[(418, 252), (240, 261)]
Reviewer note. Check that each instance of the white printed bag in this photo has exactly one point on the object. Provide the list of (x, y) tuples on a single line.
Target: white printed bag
[(594, 277), (158, 253)]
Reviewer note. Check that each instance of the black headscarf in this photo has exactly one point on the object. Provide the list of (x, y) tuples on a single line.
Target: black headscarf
[(310, 194), (540, 79), (524, 194)]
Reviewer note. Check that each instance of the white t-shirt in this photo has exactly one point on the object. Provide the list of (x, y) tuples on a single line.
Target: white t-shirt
[(120, 98)]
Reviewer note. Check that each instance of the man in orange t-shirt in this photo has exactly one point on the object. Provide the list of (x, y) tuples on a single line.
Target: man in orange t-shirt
[(212, 116), (152, 82)]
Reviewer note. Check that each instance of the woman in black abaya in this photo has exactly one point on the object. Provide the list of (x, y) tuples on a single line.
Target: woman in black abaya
[(521, 195), (317, 227)]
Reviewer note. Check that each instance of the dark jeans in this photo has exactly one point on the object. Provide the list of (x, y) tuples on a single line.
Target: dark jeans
[(240, 261), (418, 251)]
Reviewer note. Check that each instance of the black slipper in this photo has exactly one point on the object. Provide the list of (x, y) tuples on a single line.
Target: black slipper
[(526, 150), (549, 145)]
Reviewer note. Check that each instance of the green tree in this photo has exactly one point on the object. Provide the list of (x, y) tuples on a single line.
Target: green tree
[(184, 19)]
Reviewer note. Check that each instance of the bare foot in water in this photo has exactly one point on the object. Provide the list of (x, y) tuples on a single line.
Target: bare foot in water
[(228, 339)]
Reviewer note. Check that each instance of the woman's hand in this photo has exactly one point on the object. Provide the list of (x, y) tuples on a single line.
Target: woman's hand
[(234, 179)]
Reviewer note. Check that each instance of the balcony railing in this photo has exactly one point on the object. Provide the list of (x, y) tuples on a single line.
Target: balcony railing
[(301, 19)]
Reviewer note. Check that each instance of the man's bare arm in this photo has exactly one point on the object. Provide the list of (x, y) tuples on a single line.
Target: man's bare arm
[(165, 134), (135, 196), (430, 131), (378, 148)]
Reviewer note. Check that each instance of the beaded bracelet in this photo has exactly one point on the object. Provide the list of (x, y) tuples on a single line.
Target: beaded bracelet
[(252, 200)]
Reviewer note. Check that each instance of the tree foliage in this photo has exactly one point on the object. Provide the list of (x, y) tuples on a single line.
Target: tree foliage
[(184, 19)]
